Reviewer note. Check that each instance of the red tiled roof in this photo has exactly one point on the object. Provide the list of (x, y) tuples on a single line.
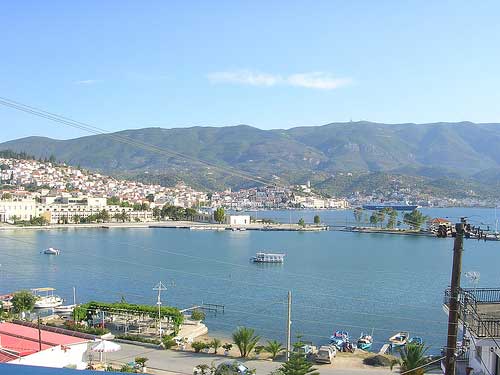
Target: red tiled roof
[(440, 220), (24, 340), (6, 357)]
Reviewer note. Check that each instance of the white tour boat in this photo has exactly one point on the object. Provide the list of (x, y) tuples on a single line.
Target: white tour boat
[(48, 300), (52, 251), (268, 258)]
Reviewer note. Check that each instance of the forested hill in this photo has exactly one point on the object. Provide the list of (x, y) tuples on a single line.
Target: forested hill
[(451, 150)]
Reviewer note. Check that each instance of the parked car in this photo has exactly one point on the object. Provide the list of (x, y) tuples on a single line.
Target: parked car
[(307, 349), (326, 354)]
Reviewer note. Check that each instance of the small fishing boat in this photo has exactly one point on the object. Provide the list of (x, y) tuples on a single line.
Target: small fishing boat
[(399, 339), (339, 339), (268, 258), (67, 309), (365, 342), (52, 251), (47, 301), (416, 340)]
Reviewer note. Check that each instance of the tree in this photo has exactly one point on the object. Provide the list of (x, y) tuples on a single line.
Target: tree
[(23, 300), (245, 339), (219, 215), (150, 198), (298, 365), (215, 344), (104, 216), (317, 219), (413, 356), (274, 347), (358, 214), (113, 201), (393, 216), (415, 219), (302, 223), (190, 213), (156, 213), (374, 218), (6, 196), (76, 219), (141, 361)]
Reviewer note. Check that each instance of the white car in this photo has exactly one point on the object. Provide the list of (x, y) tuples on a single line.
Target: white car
[(326, 354)]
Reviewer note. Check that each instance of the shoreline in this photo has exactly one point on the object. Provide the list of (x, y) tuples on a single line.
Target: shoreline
[(190, 225)]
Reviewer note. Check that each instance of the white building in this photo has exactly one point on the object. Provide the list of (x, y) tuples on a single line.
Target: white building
[(22, 209), (237, 220)]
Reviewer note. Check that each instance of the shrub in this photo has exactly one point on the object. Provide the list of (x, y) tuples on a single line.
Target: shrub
[(228, 346), (168, 342), (197, 314), (199, 346), (377, 360), (72, 326), (141, 361), (138, 339)]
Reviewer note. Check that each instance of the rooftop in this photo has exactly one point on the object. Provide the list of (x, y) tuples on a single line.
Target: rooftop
[(20, 341)]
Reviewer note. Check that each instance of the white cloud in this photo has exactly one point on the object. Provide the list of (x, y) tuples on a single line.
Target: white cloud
[(312, 80), (245, 77), (317, 80), (86, 82)]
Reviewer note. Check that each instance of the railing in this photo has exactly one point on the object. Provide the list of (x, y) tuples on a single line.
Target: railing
[(469, 299)]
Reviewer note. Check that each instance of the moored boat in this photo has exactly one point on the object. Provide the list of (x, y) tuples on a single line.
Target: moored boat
[(52, 251), (47, 301), (268, 258), (339, 339), (365, 342), (399, 339)]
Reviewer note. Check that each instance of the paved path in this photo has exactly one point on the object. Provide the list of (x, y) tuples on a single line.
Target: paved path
[(178, 362)]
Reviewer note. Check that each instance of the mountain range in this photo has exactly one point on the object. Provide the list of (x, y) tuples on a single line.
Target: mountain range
[(463, 150)]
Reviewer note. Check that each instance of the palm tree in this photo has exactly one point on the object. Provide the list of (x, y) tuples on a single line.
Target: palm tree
[(412, 357), (215, 343), (245, 339), (274, 347)]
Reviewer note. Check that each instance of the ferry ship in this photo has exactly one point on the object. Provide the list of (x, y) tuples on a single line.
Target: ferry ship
[(394, 206), (268, 258)]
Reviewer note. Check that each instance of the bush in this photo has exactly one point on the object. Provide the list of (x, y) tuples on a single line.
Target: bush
[(377, 360), (215, 344), (168, 342), (141, 361), (197, 314), (227, 346), (198, 346), (72, 326), (138, 339)]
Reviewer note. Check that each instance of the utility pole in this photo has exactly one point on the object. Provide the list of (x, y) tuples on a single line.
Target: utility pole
[(458, 247), (289, 326), (159, 287), (39, 336)]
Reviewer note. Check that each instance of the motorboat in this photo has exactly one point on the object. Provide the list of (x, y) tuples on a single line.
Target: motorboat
[(47, 300), (399, 339), (67, 309), (52, 251), (365, 342), (268, 258), (339, 339)]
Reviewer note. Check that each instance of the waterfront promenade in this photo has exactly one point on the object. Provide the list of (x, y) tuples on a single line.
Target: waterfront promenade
[(183, 362), (171, 224)]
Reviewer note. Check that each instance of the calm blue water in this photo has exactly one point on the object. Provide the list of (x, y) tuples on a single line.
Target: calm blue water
[(352, 281)]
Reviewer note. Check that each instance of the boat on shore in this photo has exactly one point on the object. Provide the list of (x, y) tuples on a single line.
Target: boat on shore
[(339, 339), (262, 257), (399, 339), (52, 251), (48, 300), (365, 342)]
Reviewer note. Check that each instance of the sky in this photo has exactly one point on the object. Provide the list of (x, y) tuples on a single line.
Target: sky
[(269, 64)]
